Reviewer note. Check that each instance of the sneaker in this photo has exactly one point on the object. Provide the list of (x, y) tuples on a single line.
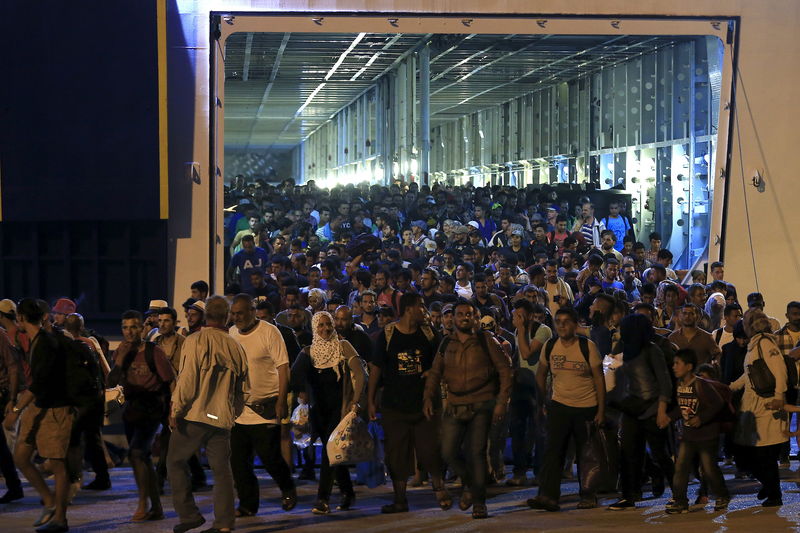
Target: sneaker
[(587, 504), (721, 504), (676, 509), (321, 507), (517, 481), (479, 511), (772, 502), (543, 504), (346, 503), (12, 496), (101, 484), (622, 504), (289, 500)]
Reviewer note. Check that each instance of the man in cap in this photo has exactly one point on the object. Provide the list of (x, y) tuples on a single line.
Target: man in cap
[(755, 300), (195, 316), (151, 319), (60, 310)]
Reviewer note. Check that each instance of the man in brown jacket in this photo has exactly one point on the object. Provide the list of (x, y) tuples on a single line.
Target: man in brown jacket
[(477, 374)]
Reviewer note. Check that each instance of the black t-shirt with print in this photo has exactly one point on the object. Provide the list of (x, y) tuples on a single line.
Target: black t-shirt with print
[(402, 366)]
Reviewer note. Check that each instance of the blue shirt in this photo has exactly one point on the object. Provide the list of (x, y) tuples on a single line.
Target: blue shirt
[(619, 225), (247, 261), (614, 285)]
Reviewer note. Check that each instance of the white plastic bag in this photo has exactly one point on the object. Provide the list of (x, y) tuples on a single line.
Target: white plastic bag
[(301, 428), (350, 442), (610, 365)]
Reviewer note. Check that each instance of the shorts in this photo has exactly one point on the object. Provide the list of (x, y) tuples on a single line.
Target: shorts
[(47, 430), (141, 436)]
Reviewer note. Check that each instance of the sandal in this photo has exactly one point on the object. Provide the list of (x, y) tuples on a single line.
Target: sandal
[(444, 498), (140, 516), (45, 517)]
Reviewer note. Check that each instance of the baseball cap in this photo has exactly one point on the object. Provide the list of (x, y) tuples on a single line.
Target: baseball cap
[(64, 306), (8, 307), (421, 224), (462, 229), (517, 232), (474, 224), (448, 308)]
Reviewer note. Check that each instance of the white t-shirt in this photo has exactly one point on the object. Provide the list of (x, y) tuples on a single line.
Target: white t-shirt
[(725, 338), (552, 290), (266, 351), (464, 292)]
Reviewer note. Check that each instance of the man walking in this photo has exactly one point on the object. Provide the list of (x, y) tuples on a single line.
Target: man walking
[(207, 399), (478, 377), (47, 418), (579, 396), (258, 427), (404, 352)]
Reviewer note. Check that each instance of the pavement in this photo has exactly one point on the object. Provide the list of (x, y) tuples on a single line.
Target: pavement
[(111, 511)]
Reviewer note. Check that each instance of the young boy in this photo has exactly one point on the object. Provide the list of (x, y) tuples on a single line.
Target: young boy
[(700, 402)]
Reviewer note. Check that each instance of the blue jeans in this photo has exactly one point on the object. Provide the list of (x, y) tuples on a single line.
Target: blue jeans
[(707, 451), (468, 426), (526, 434)]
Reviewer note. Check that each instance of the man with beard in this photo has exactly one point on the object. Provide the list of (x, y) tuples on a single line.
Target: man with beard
[(689, 335), (589, 226), (630, 283), (404, 352), (368, 319), (429, 281), (343, 322), (478, 378), (607, 242), (195, 316), (387, 295), (560, 293)]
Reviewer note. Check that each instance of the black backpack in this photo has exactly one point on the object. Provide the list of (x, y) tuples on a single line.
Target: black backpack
[(583, 342), (82, 371)]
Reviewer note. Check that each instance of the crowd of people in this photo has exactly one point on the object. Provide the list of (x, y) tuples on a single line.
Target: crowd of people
[(457, 317)]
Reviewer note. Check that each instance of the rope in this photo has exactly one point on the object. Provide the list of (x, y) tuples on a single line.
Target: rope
[(744, 194)]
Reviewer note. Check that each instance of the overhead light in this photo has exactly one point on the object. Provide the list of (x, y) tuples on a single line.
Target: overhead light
[(342, 57), (365, 67), (310, 97)]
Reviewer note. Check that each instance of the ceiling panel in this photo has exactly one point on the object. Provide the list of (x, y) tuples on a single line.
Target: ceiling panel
[(274, 97)]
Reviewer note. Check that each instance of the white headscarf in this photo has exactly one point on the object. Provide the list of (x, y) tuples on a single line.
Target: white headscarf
[(325, 353)]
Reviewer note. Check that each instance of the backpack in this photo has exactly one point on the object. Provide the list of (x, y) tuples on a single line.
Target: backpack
[(82, 371), (389, 331), (583, 342), (727, 415)]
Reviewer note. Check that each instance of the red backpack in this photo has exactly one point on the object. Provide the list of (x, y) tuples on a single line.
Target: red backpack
[(727, 415)]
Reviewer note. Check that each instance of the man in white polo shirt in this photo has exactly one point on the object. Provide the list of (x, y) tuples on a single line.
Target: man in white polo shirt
[(258, 427)]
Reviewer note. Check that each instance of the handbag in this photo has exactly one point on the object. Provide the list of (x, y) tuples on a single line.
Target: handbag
[(762, 380), (114, 400)]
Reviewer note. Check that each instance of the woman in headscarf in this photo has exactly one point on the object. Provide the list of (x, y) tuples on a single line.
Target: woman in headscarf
[(330, 376), (761, 427), (645, 392)]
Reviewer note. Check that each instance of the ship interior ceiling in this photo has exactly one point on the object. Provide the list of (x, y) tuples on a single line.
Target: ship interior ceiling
[(630, 118)]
